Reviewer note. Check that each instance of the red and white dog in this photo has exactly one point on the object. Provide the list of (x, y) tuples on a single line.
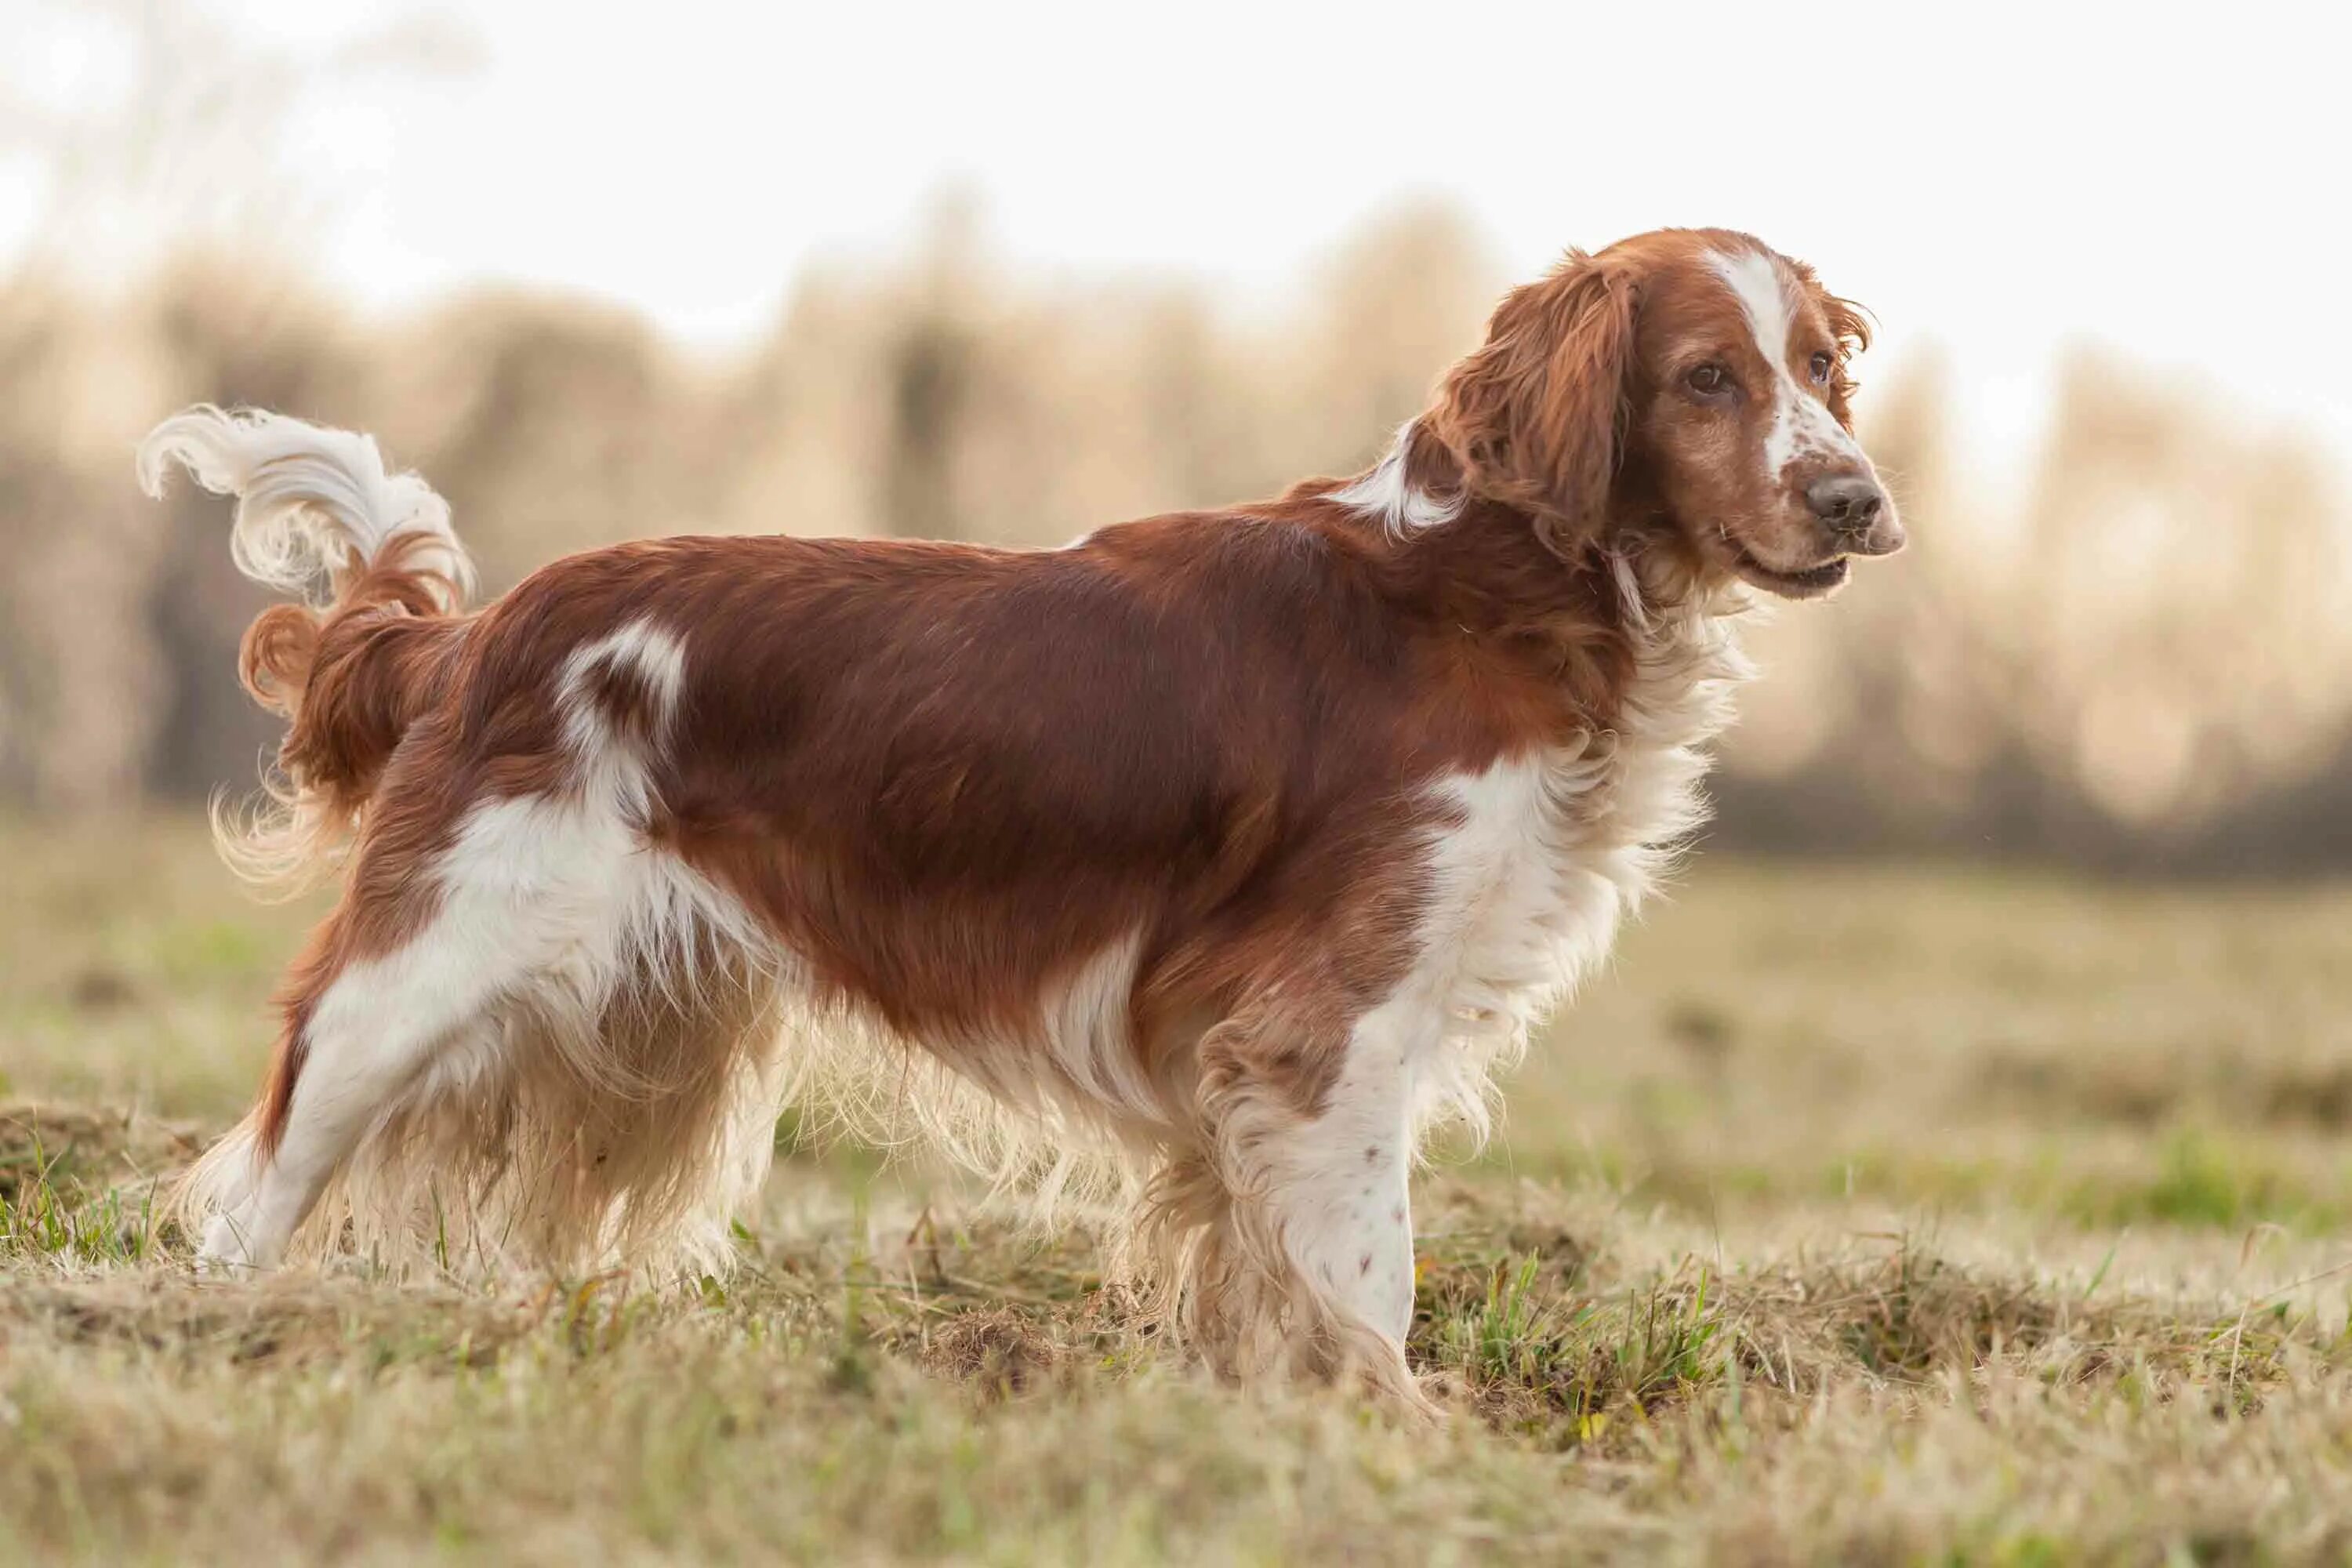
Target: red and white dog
[(1241, 847)]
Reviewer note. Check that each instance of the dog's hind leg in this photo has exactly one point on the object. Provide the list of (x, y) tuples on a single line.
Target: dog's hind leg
[(526, 901)]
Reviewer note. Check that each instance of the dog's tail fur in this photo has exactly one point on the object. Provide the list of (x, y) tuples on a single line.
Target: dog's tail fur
[(380, 582)]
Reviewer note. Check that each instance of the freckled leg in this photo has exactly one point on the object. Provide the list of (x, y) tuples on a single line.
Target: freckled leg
[(1341, 1188), (1311, 1249)]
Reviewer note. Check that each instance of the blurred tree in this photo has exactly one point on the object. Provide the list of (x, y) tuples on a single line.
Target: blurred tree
[(237, 335), (2182, 593), (556, 425), (1403, 297), (121, 624), (931, 371)]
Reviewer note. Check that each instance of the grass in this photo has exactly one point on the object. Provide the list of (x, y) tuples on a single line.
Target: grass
[(1858, 1215)]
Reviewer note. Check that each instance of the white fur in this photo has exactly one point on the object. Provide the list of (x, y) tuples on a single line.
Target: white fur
[(615, 765), (1385, 494), (1803, 424), (655, 654), (1551, 849), (1084, 1036), (309, 500)]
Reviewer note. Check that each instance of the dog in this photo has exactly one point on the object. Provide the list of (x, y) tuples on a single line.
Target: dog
[(1231, 851)]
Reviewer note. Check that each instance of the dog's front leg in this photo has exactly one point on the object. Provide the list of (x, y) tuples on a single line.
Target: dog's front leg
[(1342, 1198), (1317, 1156)]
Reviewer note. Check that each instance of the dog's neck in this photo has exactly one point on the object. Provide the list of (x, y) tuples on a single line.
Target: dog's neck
[(1626, 607)]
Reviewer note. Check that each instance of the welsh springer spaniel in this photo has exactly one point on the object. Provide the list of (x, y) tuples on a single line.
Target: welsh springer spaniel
[(1229, 851)]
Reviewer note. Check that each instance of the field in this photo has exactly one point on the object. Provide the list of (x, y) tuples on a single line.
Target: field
[(1858, 1215)]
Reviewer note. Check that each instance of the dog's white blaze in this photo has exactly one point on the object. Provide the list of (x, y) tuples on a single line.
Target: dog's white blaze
[(1384, 493), (1802, 424)]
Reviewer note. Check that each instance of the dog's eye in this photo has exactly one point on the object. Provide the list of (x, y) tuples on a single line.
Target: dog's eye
[(1709, 380), (1821, 366)]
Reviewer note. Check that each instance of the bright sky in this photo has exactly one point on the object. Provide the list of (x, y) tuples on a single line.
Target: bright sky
[(1996, 181)]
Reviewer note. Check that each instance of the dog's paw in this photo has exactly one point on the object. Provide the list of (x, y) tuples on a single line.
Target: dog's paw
[(224, 1253)]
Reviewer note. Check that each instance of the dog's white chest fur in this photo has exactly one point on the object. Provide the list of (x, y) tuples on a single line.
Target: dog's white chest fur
[(1548, 851)]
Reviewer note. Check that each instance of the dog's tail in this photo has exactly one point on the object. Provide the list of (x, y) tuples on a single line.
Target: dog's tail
[(381, 583)]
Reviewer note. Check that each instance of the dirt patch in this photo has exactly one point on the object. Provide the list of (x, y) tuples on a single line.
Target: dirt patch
[(999, 1350), (73, 1147), (290, 1319)]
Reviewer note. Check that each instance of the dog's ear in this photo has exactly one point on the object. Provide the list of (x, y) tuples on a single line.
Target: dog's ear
[(1535, 416), (1850, 324)]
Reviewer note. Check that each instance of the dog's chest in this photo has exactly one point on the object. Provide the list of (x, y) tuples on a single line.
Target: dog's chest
[(1547, 851)]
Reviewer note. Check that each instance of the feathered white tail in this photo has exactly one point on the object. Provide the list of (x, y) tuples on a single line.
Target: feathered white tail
[(313, 504), (319, 519)]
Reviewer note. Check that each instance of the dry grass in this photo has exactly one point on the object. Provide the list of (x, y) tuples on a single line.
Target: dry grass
[(1860, 1216)]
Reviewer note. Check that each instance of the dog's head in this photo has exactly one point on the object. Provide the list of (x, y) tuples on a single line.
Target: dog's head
[(1689, 380)]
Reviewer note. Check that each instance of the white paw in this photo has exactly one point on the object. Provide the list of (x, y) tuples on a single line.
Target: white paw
[(224, 1250)]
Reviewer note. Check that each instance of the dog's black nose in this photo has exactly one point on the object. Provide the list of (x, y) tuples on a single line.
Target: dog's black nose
[(1849, 503)]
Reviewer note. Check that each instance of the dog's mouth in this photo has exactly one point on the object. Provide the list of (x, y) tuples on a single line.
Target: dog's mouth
[(1809, 583)]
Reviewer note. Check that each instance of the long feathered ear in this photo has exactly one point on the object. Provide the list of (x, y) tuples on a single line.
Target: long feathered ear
[(1535, 416)]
